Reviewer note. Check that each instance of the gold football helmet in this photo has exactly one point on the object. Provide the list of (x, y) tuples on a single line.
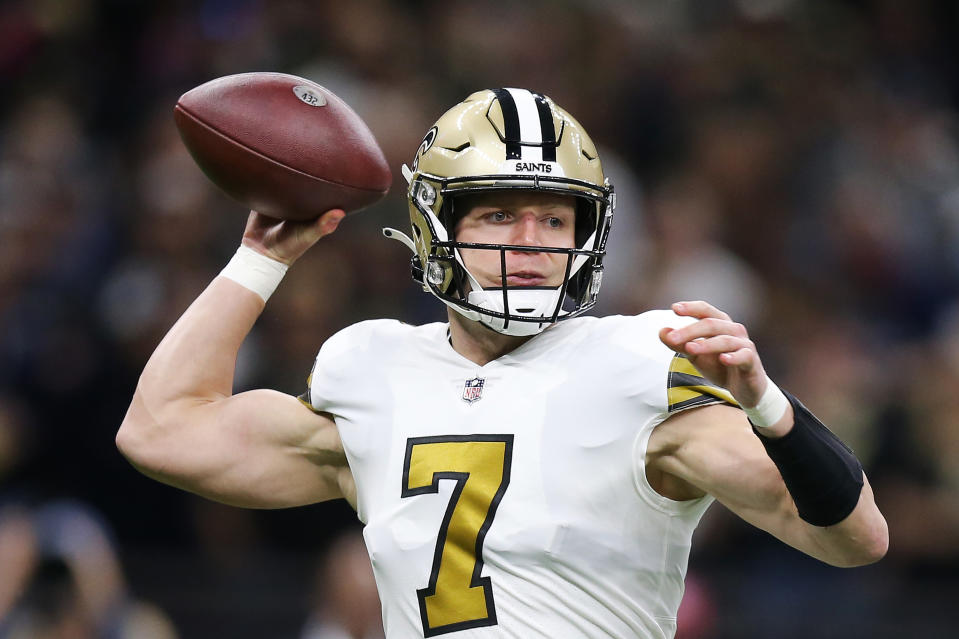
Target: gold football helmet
[(495, 140)]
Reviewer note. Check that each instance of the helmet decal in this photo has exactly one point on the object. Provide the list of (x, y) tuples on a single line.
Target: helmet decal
[(527, 125), (425, 145)]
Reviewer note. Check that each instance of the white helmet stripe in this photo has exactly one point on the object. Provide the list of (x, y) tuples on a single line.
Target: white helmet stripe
[(546, 127), (530, 129)]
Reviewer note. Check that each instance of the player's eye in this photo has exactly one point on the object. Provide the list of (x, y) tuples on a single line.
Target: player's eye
[(498, 216), (554, 222)]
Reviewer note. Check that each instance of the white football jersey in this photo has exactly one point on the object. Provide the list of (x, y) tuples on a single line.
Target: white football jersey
[(511, 500)]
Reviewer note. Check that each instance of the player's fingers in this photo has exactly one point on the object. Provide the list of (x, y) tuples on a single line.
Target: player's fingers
[(260, 220), (674, 345), (744, 359), (308, 232), (719, 344), (260, 228), (698, 308), (709, 327), (664, 338)]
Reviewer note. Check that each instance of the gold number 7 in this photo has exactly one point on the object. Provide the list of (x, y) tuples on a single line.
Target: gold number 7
[(457, 597)]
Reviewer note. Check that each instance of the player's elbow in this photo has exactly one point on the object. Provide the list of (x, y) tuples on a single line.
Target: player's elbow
[(876, 544), (869, 545), (139, 437), (133, 441), (868, 530), (878, 549), (864, 555), (147, 451)]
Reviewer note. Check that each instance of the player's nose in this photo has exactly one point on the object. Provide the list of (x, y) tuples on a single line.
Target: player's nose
[(526, 231)]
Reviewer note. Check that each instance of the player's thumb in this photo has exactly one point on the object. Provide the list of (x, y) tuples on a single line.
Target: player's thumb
[(329, 221)]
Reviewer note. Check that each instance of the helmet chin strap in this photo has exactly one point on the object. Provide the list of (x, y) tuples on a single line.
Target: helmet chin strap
[(532, 303), (536, 303), (540, 302), (400, 237)]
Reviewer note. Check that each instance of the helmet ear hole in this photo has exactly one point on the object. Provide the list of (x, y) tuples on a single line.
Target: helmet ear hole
[(576, 284), (585, 220), (453, 209)]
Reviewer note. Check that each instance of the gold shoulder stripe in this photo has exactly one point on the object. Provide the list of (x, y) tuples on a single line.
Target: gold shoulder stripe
[(687, 388), (305, 400), (681, 364)]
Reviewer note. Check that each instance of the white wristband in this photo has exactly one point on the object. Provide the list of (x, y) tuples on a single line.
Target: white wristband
[(771, 407), (255, 271)]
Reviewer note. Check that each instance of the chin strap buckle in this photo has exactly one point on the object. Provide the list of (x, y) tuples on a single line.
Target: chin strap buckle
[(399, 236)]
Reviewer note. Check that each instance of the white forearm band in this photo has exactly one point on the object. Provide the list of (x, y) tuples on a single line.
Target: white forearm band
[(771, 407), (255, 271)]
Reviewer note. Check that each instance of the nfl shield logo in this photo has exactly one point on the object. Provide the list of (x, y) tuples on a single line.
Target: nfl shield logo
[(473, 391)]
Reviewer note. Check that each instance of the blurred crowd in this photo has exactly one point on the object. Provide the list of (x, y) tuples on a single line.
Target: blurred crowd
[(795, 163)]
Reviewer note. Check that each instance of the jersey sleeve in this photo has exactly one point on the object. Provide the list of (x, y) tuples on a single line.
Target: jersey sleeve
[(306, 397), (670, 384), (687, 388), (668, 381), (335, 368)]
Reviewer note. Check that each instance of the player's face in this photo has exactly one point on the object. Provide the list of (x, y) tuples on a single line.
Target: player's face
[(523, 219)]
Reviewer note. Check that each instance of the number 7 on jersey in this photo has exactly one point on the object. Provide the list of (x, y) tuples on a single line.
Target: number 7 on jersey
[(457, 597)]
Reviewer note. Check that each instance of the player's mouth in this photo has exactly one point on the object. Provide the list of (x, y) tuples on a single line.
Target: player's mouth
[(525, 278)]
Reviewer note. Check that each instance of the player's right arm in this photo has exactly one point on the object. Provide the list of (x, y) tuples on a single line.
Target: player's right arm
[(185, 427)]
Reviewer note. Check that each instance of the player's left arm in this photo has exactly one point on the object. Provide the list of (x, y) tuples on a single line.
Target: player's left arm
[(715, 450)]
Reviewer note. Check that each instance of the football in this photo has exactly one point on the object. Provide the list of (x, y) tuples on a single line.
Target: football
[(282, 145)]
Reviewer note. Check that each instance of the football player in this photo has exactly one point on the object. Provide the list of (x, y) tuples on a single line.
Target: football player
[(523, 470)]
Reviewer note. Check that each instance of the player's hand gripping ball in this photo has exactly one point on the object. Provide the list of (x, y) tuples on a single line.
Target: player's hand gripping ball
[(282, 145)]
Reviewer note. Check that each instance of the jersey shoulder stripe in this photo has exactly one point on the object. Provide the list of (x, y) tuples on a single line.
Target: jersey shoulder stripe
[(306, 397), (687, 388)]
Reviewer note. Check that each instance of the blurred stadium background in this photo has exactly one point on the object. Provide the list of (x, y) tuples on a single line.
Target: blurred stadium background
[(795, 163)]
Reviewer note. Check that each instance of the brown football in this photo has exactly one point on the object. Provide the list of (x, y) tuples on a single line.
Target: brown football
[(282, 145)]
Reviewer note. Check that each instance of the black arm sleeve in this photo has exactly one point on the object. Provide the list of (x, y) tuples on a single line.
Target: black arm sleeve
[(821, 473)]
